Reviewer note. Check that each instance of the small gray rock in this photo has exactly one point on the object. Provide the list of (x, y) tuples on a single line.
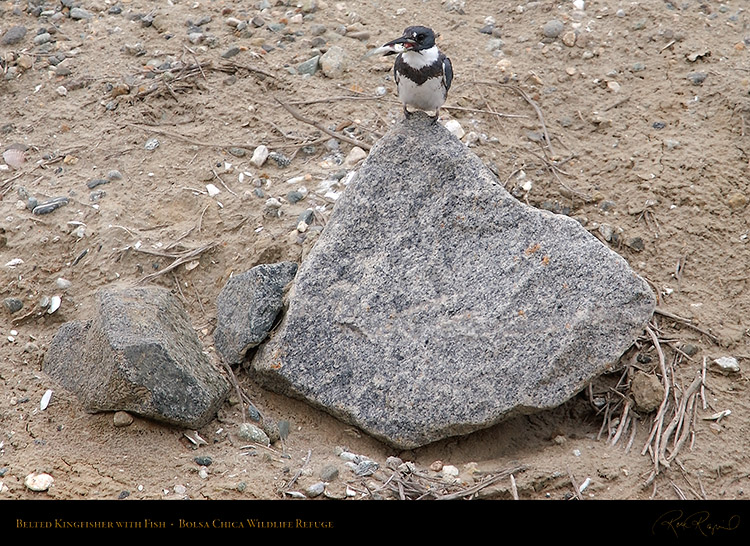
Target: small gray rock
[(309, 67), (697, 78), (553, 28), (80, 13), (648, 392), (13, 305), (13, 35), (332, 62)]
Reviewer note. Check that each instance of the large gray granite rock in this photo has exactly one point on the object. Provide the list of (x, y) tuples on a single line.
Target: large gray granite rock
[(435, 304), (138, 354), (247, 308)]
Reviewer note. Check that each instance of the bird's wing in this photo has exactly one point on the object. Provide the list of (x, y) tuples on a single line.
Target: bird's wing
[(447, 73), (395, 69)]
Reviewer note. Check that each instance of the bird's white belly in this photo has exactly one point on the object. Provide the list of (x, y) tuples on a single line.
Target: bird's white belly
[(428, 96)]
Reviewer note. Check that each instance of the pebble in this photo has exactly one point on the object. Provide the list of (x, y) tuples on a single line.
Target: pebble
[(332, 62), (309, 67), (80, 13), (252, 433), (356, 155), (114, 175), (13, 35), (455, 128), (42, 38), (151, 144), (62, 283), (329, 473), (647, 390), (38, 482), (49, 206), (315, 490), (737, 201), (697, 78), (553, 28), (13, 305), (280, 159), (727, 364), (259, 156), (231, 52), (122, 419), (203, 460), (91, 184)]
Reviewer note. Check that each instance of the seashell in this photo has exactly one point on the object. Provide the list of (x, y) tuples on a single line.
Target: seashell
[(45, 400), (212, 190), (14, 262), (14, 157), (54, 304)]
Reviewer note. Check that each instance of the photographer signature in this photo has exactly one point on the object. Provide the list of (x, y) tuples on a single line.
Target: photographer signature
[(675, 521)]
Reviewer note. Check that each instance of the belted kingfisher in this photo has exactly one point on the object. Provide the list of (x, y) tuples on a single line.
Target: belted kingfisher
[(422, 72)]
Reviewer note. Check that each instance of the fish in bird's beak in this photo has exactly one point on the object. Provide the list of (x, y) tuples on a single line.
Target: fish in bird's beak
[(404, 43)]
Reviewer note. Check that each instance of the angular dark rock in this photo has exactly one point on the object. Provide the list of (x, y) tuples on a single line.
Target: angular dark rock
[(139, 354), (247, 307), (435, 304)]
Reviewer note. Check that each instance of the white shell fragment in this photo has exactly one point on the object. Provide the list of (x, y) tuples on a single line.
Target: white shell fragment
[(14, 157), (38, 482), (54, 304), (14, 262), (45, 399), (212, 190)]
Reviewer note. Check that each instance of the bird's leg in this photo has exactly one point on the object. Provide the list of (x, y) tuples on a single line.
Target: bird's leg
[(436, 116), (407, 114)]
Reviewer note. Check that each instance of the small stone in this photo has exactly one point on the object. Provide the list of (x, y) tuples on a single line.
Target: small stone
[(259, 156), (38, 482), (80, 13), (455, 128), (315, 490), (122, 419), (49, 206), (436, 466), (231, 52), (13, 305), (151, 144), (309, 67), (13, 35), (91, 184), (237, 152), (356, 155), (114, 175), (42, 38), (203, 460), (62, 283), (329, 473), (727, 364), (553, 28), (332, 62), (449, 470), (647, 391), (569, 38), (252, 433), (737, 201), (280, 159), (697, 78), (636, 243)]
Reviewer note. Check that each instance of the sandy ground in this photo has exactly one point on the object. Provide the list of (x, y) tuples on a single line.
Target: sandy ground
[(649, 156)]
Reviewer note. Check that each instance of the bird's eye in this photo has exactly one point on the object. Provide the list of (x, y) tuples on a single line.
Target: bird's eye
[(420, 37)]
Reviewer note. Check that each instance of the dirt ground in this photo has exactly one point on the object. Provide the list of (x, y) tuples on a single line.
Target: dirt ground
[(646, 106)]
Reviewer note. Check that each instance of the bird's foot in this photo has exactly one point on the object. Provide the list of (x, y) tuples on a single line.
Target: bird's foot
[(407, 113)]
